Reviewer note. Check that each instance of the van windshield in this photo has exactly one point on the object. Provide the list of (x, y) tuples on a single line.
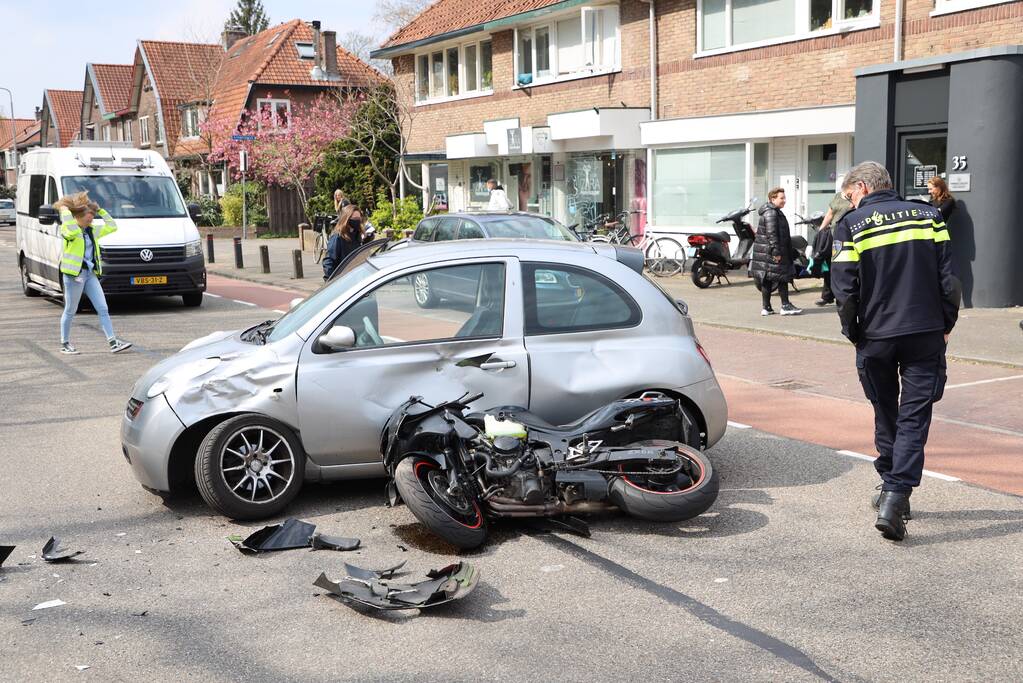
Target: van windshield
[(127, 196)]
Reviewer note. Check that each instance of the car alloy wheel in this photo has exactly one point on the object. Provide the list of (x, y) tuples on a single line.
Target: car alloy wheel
[(257, 464), (422, 291)]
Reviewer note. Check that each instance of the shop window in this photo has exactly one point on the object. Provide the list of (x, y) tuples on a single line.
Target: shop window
[(695, 186), (747, 23), (582, 43), (479, 174), (761, 170)]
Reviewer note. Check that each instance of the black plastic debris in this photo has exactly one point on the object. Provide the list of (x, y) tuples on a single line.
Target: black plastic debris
[(572, 525), (52, 552), (292, 534), (5, 552), (377, 589)]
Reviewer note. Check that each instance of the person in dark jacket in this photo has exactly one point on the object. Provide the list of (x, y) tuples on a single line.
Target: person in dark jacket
[(941, 198), (822, 245), (348, 235), (898, 301), (772, 254)]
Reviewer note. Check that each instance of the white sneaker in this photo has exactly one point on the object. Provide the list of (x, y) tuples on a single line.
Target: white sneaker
[(68, 349), (789, 309), (766, 311), (118, 345)]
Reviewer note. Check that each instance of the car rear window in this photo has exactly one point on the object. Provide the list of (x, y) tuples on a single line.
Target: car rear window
[(532, 227)]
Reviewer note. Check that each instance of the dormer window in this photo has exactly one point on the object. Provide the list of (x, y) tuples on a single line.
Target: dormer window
[(191, 117), (305, 50)]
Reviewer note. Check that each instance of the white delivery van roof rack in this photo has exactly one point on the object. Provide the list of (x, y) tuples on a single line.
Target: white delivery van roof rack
[(97, 162)]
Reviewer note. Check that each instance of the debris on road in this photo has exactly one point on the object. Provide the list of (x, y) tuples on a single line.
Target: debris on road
[(377, 589), (48, 604), (52, 552), (292, 534), (5, 551), (81, 667), (546, 525)]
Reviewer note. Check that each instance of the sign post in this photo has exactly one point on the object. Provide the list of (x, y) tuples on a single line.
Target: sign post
[(243, 166)]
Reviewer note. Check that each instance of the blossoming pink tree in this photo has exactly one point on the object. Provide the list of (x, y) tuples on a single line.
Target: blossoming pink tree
[(287, 145)]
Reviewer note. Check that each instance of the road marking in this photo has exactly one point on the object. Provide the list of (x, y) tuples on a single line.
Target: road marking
[(738, 425), (854, 454), (277, 310), (215, 296), (936, 475), (983, 381), (939, 475), (243, 303)]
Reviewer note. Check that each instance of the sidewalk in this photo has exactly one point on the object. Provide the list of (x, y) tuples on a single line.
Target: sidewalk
[(985, 335)]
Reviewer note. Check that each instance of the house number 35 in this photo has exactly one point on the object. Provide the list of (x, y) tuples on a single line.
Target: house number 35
[(959, 163)]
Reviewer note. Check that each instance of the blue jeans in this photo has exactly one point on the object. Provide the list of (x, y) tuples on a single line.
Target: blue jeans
[(73, 294)]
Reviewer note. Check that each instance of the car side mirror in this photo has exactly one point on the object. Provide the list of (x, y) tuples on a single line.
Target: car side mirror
[(48, 215), (338, 338), (295, 302), (194, 212)]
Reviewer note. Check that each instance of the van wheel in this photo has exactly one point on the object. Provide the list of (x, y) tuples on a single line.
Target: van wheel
[(249, 467), (28, 291), (192, 299)]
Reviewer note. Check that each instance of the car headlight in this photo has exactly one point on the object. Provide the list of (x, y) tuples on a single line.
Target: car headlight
[(193, 249), (183, 373)]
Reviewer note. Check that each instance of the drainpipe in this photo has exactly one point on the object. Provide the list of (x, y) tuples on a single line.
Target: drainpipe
[(898, 29), (652, 22)]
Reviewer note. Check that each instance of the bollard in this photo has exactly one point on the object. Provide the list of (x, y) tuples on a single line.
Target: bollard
[(209, 249), (238, 261), (264, 257), (296, 260)]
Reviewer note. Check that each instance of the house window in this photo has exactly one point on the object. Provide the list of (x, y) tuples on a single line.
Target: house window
[(695, 186), (583, 43), (159, 130), (190, 120), (305, 50), (948, 6), (278, 112), (725, 24), (454, 71), (90, 132), (144, 130), (126, 130), (106, 133)]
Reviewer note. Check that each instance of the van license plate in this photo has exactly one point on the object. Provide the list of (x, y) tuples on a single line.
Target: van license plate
[(149, 280)]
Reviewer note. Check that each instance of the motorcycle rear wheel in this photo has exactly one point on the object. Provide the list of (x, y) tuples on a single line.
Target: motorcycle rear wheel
[(702, 277), (422, 485), (660, 499)]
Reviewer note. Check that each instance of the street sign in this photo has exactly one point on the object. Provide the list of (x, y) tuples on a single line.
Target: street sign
[(243, 138)]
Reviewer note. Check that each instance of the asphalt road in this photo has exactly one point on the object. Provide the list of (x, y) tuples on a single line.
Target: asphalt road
[(784, 579)]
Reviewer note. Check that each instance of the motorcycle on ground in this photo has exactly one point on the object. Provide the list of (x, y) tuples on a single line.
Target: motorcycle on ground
[(713, 258), (458, 471)]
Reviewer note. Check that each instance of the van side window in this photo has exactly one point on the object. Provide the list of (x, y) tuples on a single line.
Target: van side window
[(36, 196), (51, 190)]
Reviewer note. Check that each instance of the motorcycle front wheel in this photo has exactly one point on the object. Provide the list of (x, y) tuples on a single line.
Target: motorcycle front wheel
[(702, 277), (652, 495), (423, 486)]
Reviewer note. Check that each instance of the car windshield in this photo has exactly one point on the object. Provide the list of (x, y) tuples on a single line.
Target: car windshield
[(130, 196), (533, 227), (303, 312), (6, 204)]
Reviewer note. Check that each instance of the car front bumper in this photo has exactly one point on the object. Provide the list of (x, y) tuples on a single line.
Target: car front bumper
[(147, 440)]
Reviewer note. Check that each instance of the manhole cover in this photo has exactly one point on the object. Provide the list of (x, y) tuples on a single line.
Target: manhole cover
[(793, 384)]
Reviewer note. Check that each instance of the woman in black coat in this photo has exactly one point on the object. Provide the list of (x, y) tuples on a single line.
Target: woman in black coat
[(772, 254), (348, 235), (941, 198)]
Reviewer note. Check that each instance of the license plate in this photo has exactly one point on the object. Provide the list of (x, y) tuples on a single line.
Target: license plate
[(149, 280)]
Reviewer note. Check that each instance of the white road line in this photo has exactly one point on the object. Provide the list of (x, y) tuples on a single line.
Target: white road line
[(243, 303), (983, 381), (854, 454), (215, 296), (939, 475), (277, 310), (936, 475), (738, 425)]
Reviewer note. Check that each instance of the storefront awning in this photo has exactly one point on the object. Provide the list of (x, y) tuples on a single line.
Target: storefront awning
[(764, 124), (598, 128)]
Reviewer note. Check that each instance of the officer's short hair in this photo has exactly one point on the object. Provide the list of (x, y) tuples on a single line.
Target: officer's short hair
[(872, 174)]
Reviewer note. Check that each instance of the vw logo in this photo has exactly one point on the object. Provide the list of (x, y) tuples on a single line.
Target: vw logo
[(146, 255)]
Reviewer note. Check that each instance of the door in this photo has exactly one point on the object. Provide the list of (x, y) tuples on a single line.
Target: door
[(403, 350), (922, 156), (51, 242), (821, 176)]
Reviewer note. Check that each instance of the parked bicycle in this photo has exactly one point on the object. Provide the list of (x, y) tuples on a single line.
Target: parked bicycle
[(664, 256), (323, 223)]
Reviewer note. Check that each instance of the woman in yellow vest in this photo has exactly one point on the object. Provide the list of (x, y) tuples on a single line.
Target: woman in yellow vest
[(80, 266)]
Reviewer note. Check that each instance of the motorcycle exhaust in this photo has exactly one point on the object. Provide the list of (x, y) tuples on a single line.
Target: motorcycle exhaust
[(508, 507)]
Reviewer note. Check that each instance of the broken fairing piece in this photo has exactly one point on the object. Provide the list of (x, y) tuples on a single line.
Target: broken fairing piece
[(52, 552), (546, 525), (373, 589), (5, 552), (48, 604), (324, 542)]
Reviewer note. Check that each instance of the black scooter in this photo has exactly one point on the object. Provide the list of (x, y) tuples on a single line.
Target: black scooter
[(713, 258)]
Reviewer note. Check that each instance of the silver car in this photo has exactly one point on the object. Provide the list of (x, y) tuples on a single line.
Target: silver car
[(561, 328)]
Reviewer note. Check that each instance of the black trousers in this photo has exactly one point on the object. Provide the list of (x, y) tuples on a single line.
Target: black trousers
[(769, 286), (902, 415), (826, 293)]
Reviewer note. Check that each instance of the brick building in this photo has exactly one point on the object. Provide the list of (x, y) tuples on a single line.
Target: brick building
[(105, 114), (747, 95), (60, 117), (24, 136)]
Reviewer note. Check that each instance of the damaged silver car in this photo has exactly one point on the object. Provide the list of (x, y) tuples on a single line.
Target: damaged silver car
[(559, 328)]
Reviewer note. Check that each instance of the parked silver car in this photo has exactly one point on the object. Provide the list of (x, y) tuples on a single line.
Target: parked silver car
[(561, 328)]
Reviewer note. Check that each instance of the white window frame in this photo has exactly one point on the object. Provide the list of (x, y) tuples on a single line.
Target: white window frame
[(587, 69), (106, 133), (188, 112), (951, 6), (800, 30), (159, 130), (463, 76), (144, 131), (90, 131), (273, 102), (126, 130)]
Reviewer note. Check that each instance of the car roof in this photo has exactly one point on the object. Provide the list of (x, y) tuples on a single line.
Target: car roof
[(486, 216), (544, 250)]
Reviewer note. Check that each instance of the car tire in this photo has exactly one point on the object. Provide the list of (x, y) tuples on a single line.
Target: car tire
[(694, 494), (458, 529), (192, 299), (243, 440), (26, 290), (423, 292)]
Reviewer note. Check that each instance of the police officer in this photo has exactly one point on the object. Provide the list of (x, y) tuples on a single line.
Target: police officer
[(898, 301)]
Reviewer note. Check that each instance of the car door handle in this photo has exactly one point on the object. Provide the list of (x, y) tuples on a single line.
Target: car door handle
[(497, 364)]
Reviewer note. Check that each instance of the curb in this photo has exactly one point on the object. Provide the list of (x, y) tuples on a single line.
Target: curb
[(235, 276)]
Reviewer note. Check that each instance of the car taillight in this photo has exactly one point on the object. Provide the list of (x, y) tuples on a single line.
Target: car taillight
[(133, 409), (703, 353), (697, 240)]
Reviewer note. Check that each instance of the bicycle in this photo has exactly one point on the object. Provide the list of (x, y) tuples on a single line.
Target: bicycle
[(321, 226), (661, 255)]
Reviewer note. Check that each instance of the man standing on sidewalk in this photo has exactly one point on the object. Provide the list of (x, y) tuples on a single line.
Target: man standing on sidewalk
[(898, 302)]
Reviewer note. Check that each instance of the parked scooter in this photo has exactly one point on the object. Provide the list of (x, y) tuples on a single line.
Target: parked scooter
[(713, 258)]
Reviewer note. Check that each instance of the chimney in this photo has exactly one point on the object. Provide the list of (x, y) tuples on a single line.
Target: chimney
[(39, 114), (316, 72), (230, 36), (330, 55)]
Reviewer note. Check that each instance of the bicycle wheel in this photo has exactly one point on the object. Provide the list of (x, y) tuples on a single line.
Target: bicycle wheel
[(662, 257), (319, 248)]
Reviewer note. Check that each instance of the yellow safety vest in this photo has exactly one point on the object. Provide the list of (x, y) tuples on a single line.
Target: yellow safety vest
[(74, 243)]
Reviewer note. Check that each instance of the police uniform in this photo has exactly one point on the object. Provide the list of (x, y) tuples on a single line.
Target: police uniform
[(897, 298)]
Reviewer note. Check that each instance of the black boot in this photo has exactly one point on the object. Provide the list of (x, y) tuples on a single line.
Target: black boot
[(891, 510), (876, 498)]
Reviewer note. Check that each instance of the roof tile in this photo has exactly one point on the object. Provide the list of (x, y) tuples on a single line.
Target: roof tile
[(114, 83), (66, 107), (20, 126), (444, 16)]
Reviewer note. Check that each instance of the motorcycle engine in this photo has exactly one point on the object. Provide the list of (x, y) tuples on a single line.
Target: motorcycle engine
[(524, 484)]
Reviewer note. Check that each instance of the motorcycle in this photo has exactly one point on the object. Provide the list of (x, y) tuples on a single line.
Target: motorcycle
[(712, 258), (457, 471)]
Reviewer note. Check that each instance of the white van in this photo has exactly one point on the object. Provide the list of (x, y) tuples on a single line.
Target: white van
[(156, 249)]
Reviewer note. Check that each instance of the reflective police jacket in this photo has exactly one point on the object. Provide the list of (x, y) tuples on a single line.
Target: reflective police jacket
[(891, 269), (74, 243)]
